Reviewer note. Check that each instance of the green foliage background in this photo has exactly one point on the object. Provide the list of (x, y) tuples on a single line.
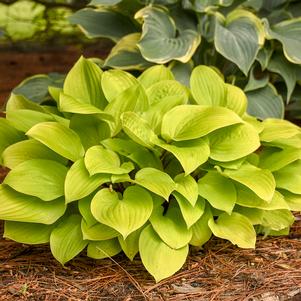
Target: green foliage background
[(255, 43), (40, 22)]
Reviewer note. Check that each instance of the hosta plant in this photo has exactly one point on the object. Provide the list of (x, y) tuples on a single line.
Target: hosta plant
[(37, 22), (111, 163), (255, 43)]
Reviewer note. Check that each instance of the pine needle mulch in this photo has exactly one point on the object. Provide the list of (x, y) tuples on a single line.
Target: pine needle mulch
[(220, 271)]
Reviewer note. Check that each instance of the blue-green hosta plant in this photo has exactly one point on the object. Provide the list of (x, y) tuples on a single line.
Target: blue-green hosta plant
[(255, 43), (114, 163)]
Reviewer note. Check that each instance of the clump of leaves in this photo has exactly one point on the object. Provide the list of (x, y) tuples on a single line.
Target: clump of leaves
[(144, 165), (42, 21), (255, 43)]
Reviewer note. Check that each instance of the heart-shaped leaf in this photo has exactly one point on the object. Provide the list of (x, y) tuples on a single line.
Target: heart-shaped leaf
[(255, 83), (124, 215), (218, 190), (289, 177), (260, 181), (156, 181), (8, 135), (247, 198), (236, 228), (187, 187), (201, 232), (128, 148), (265, 103), (159, 259), (97, 231), (66, 240), (253, 214), (191, 153), (276, 159), (239, 38), (114, 82), (286, 70), (27, 233), (83, 84), (154, 75), (24, 120), (90, 128), (59, 138), (207, 87), (103, 249), (194, 121), (275, 129), (234, 142), (99, 160), (97, 23), (171, 227), (79, 183), (26, 150), (155, 113), (191, 214), (23, 208), (130, 245), (132, 100), (40, 178), (159, 41), (85, 211), (236, 100), (288, 33), (277, 219), (125, 55), (69, 104), (138, 129), (20, 102), (166, 88)]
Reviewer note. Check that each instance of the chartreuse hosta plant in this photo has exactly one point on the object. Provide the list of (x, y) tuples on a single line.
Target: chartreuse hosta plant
[(255, 43), (144, 165)]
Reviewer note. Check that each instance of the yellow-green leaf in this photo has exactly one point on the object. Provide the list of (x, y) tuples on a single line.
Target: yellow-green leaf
[(219, 191), (260, 181), (66, 240), (159, 259), (19, 207), (207, 87), (236, 228), (79, 183), (234, 142), (59, 138), (156, 181), (125, 215), (40, 178), (194, 121)]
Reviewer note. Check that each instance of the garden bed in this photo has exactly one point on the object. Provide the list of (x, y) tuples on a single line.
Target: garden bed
[(220, 271)]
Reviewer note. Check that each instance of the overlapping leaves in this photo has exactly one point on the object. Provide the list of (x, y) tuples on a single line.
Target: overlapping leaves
[(254, 43), (145, 166)]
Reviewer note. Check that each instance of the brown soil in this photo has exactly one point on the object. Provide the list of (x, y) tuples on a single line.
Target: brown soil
[(220, 271), (16, 66)]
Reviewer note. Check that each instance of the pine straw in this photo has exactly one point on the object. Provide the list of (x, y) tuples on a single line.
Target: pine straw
[(220, 271)]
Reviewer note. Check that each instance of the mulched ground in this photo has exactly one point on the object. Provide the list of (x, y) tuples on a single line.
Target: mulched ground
[(220, 271)]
